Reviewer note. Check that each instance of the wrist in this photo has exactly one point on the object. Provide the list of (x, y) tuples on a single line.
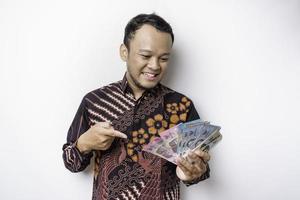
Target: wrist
[(185, 178), (82, 146)]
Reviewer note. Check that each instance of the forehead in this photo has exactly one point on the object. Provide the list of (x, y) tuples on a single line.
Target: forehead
[(148, 37)]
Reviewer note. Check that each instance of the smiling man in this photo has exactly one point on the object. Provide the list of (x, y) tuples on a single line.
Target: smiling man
[(147, 56), (115, 121)]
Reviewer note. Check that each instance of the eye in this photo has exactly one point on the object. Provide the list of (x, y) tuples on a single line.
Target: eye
[(164, 59), (145, 56)]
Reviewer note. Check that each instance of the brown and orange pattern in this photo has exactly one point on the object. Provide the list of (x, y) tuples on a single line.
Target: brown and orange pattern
[(124, 171)]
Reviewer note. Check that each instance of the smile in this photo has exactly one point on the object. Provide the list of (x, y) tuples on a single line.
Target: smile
[(150, 76)]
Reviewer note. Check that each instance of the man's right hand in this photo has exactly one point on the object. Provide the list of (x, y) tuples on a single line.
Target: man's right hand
[(98, 137)]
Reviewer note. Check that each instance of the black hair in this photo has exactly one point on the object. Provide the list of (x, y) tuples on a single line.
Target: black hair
[(151, 19)]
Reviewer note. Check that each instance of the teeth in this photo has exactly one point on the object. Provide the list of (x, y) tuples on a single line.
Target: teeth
[(149, 74)]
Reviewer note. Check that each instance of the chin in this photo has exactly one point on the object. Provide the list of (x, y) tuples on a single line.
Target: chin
[(146, 84), (150, 86)]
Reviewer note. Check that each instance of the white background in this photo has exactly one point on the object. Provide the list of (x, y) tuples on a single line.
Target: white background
[(238, 61)]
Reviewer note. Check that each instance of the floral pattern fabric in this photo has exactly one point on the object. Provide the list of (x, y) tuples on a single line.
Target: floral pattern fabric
[(124, 171)]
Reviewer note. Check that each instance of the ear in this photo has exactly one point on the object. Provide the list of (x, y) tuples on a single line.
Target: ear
[(123, 52)]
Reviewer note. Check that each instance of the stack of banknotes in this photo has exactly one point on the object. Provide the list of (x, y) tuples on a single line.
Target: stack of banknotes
[(184, 137)]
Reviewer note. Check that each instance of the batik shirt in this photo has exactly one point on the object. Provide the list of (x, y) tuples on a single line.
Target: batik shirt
[(124, 171)]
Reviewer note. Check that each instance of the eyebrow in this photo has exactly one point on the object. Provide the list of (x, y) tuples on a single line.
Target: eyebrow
[(149, 51)]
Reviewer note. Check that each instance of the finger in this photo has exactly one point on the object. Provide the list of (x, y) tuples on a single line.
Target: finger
[(202, 154), (198, 165), (184, 169), (197, 168), (99, 129), (120, 134), (195, 162), (203, 166), (113, 133), (200, 169), (185, 165), (192, 156)]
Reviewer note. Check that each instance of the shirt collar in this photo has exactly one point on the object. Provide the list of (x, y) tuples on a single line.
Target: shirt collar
[(124, 84)]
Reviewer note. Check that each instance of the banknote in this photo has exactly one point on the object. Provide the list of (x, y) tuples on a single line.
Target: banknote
[(210, 142), (153, 145), (170, 137), (192, 134), (184, 137), (166, 153), (161, 148)]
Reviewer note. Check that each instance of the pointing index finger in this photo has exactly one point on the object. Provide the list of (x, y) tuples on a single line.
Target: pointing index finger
[(119, 134), (113, 133), (105, 128)]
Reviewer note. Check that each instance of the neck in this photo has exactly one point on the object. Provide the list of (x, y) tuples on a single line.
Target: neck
[(137, 91), (137, 95)]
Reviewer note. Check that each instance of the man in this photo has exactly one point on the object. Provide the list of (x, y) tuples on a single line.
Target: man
[(115, 121)]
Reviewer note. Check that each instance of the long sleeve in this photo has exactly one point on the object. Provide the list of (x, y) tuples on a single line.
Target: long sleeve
[(193, 115), (74, 160)]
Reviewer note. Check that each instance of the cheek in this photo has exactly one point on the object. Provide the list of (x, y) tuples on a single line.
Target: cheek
[(134, 68), (141, 62), (164, 66), (137, 63)]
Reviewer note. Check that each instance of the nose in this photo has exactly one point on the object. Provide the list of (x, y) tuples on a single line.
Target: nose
[(154, 64)]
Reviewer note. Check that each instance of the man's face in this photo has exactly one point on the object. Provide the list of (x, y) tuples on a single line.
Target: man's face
[(147, 58)]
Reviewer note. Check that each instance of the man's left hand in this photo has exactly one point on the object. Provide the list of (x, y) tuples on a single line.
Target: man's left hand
[(193, 165)]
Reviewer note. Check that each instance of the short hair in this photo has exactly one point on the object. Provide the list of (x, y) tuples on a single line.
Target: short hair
[(151, 19)]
